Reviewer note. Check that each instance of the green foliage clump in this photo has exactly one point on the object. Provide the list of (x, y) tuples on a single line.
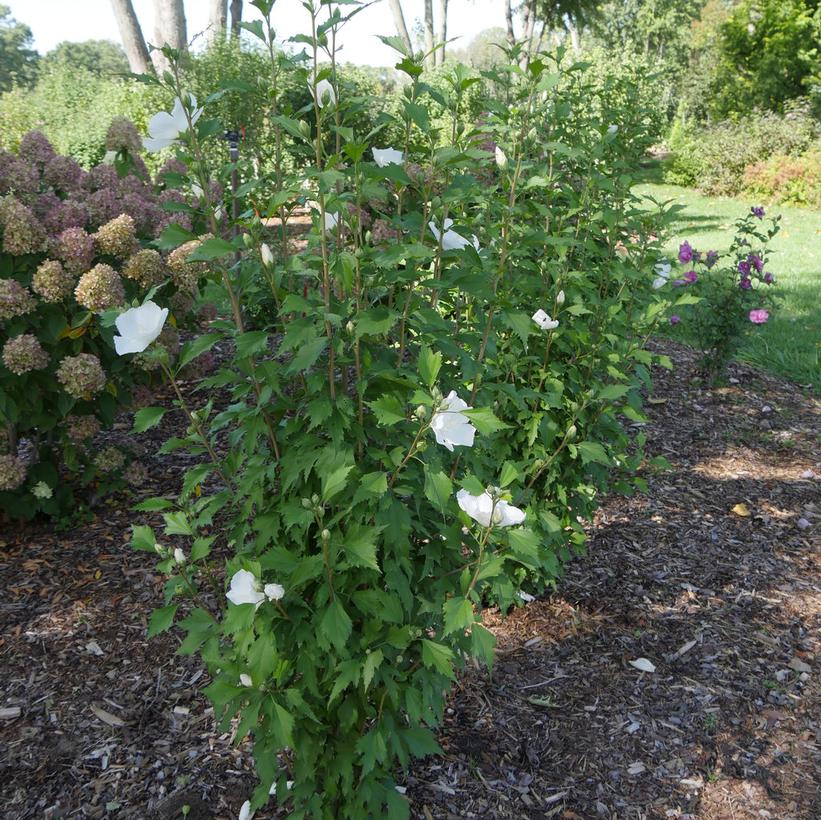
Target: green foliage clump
[(416, 426), (18, 60), (769, 54), (73, 107), (715, 158)]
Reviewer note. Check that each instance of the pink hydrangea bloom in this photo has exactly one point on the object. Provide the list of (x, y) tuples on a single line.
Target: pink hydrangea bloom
[(758, 317)]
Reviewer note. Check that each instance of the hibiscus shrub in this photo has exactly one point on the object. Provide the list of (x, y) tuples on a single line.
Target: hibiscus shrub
[(418, 427), (732, 293), (71, 251)]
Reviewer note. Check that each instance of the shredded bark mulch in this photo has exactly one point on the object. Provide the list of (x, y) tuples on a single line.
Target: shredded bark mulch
[(712, 579)]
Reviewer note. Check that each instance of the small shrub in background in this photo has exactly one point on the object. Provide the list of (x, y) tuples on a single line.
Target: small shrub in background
[(785, 179), (70, 252), (734, 291), (715, 158)]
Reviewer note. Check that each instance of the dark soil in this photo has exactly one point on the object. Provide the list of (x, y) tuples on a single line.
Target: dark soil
[(714, 576)]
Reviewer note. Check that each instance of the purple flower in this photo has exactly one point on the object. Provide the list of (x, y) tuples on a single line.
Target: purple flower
[(758, 317), (755, 260), (744, 267), (712, 258), (63, 174), (685, 252), (691, 276), (36, 149), (744, 283), (769, 278), (758, 210), (675, 319), (677, 283)]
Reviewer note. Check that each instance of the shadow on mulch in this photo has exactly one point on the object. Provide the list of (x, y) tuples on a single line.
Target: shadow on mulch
[(714, 576)]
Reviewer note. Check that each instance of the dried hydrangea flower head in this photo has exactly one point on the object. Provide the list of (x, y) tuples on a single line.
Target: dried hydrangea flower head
[(100, 289), (15, 300), (117, 237), (122, 135), (52, 281), (186, 275), (75, 248), (22, 232), (145, 267), (81, 375), (109, 460), (24, 353), (81, 429), (12, 473)]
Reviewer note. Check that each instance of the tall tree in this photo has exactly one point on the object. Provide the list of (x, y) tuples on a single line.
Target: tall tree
[(236, 17), (100, 57), (442, 32), (399, 22), (132, 36), (217, 19), (169, 29), (430, 59)]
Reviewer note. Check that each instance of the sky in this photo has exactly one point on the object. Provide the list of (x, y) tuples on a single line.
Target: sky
[(53, 21)]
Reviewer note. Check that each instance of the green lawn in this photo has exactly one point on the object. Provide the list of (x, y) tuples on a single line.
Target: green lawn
[(790, 343)]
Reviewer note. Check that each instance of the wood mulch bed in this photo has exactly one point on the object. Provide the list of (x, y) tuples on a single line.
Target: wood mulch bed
[(714, 576)]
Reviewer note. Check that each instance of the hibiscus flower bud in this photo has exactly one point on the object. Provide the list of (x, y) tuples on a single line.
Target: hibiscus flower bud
[(560, 297), (326, 535), (421, 412), (179, 556)]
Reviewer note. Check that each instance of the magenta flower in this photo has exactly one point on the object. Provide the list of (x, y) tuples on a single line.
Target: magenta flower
[(712, 258), (675, 319), (691, 276), (769, 278), (685, 252), (758, 317), (744, 267), (755, 260), (758, 210), (744, 283)]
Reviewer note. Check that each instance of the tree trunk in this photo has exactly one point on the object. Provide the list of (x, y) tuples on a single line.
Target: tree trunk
[(217, 19), (530, 27), (430, 60), (236, 17), (511, 36), (573, 31), (132, 36), (399, 22), (169, 29), (442, 34)]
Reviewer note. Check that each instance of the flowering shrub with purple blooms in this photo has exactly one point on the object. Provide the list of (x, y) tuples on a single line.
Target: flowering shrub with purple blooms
[(734, 291), (70, 251)]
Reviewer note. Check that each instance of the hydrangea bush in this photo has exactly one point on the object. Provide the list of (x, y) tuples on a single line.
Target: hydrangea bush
[(70, 253), (442, 386), (733, 292)]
